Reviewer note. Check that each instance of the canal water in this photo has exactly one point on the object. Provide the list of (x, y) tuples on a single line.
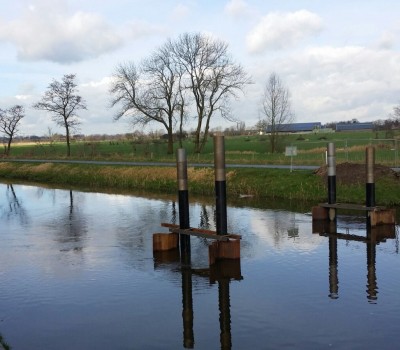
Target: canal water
[(77, 271)]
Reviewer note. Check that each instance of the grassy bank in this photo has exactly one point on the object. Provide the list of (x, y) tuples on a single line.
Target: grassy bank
[(260, 183)]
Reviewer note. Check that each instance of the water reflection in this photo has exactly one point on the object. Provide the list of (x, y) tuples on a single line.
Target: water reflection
[(112, 284), (333, 269), (71, 226), (205, 218), (373, 237), (14, 208), (222, 272), (372, 285)]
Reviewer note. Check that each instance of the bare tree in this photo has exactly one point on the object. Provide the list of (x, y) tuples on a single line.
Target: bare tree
[(150, 92), (9, 121), (395, 117), (209, 72), (62, 101), (276, 108), (261, 126)]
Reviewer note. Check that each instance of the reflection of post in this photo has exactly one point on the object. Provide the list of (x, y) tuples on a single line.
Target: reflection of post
[(220, 184), (183, 195), (187, 312), (372, 286), (71, 203), (333, 269), (224, 313)]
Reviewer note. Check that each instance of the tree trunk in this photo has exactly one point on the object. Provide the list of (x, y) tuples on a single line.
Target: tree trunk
[(204, 138), (273, 141), (9, 146), (68, 145), (197, 142), (197, 148), (170, 141), (181, 134)]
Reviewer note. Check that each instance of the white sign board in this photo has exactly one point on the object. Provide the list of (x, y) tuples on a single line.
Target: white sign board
[(291, 151)]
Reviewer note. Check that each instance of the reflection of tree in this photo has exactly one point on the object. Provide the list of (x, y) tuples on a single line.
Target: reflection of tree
[(173, 219), (71, 227), (14, 207), (204, 218), (3, 343), (40, 191)]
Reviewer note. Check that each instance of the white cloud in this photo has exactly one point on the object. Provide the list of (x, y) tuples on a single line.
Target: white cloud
[(344, 83), (180, 11), (139, 29), (23, 97), (331, 83), (279, 30), (50, 34), (386, 41), (237, 8)]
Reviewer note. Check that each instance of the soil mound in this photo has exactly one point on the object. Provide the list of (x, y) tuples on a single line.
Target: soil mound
[(352, 173)]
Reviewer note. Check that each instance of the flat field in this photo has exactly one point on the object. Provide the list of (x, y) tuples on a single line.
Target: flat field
[(311, 149)]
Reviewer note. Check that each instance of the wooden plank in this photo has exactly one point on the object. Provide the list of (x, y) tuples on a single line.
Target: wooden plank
[(174, 226), (346, 236), (200, 232), (351, 206)]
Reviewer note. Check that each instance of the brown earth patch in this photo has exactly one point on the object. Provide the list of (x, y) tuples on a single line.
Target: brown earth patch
[(352, 173)]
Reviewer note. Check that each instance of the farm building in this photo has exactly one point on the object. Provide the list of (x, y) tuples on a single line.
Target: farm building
[(354, 127), (295, 127)]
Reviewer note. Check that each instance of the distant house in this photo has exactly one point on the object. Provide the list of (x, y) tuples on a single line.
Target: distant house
[(295, 127), (354, 127)]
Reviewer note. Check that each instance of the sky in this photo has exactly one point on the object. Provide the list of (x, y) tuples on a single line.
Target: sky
[(339, 59)]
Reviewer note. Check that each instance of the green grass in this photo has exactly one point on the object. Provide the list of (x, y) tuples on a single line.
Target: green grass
[(260, 183), (268, 184), (239, 149)]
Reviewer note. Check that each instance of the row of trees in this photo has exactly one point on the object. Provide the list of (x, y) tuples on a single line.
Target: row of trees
[(193, 75), (9, 120), (61, 100)]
